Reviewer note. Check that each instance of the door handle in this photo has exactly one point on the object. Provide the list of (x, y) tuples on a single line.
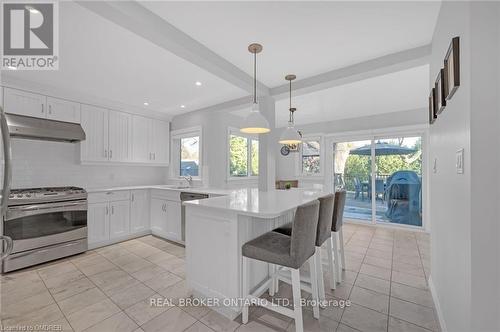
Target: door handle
[(9, 245)]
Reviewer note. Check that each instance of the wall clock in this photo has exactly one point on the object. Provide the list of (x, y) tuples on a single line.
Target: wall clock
[(285, 150)]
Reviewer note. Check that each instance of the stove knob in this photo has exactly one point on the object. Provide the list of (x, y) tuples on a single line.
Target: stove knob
[(28, 195), (11, 196), (19, 196)]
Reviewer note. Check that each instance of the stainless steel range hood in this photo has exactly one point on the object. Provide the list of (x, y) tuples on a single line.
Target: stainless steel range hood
[(21, 126)]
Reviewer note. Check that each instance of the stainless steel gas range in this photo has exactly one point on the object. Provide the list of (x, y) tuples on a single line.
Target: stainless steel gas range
[(44, 224)]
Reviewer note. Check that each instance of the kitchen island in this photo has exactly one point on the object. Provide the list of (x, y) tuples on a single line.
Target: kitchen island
[(216, 229)]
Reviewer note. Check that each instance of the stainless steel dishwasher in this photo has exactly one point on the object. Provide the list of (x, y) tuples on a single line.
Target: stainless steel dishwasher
[(185, 196)]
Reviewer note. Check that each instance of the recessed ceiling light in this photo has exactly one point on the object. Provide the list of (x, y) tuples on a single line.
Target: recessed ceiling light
[(183, 106), (198, 83), (146, 103), (11, 68)]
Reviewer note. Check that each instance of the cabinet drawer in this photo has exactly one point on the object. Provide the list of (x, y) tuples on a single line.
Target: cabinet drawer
[(109, 196), (171, 195)]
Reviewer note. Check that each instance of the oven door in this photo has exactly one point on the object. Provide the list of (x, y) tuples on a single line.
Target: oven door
[(40, 225)]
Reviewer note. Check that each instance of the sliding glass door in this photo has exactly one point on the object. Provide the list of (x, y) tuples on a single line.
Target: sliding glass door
[(382, 177)]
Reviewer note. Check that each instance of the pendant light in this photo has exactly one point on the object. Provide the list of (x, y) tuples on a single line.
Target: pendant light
[(290, 136), (255, 122)]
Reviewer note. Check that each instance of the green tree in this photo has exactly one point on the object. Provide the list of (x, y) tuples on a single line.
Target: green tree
[(238, 150)]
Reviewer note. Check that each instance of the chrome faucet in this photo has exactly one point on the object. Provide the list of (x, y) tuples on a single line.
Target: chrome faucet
[(188, 179)]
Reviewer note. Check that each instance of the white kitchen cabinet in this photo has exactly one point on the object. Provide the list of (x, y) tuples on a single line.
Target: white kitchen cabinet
[(173, 229), (24, 103), (141, 127), (120, 134), (159, 141), (139, 211), (98, 222), (95, 124), (63, 110), (158, 216), (119, 219)]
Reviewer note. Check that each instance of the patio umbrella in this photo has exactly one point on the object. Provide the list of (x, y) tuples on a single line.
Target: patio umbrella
[(382, 149)]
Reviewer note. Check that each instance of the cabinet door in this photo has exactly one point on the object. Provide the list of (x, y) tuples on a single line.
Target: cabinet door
[(98, 222), (158, 215), (174, 220), (160, 141), (119, 219), (63, 110), (141, 127), (139, 211), (95, 125), (24, 103), (120, 128)]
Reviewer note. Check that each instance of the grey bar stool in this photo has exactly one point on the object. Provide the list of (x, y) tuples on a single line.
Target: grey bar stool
[(291, 252), (323, 233), (337, 239)]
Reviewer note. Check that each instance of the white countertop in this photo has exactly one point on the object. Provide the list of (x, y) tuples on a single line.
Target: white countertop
[(251, 201), (201, 190)]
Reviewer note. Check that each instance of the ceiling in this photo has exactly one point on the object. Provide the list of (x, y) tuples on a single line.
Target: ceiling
[(305, 38), (399, 91), (99, 58)]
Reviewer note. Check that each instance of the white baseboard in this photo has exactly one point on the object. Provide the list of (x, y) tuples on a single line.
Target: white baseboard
[(117, 240), (437, 305)]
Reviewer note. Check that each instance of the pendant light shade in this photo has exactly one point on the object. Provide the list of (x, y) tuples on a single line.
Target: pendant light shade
[(255, 122), (290, 135)]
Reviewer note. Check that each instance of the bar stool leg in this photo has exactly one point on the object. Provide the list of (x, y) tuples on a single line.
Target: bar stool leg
[(321, 281), (338, 268), (331, 267), (342, 253), (314, 285), (272, 271), (297, 308), (246, 289)]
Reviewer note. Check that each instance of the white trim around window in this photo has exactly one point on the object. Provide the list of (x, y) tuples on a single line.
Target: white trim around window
[(298, 164), (250, 138), (175, 156)]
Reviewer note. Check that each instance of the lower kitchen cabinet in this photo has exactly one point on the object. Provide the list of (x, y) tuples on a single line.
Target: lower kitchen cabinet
[(166, 218), (139, 211), (119, 219), (98, 222)]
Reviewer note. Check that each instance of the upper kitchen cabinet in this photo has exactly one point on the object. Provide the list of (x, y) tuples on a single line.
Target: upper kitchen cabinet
[(120, 136), (63, 110), (141, 128), (150, 140), (95, 124), (24, 103), (39, 106), (160, 141)]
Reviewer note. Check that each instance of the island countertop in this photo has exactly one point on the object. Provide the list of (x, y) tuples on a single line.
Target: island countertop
[(261, 204)]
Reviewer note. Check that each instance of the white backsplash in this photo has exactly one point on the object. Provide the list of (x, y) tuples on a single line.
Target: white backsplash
[(42, 164)]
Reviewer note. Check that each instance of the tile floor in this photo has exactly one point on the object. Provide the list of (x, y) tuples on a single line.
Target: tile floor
[(109, 289)]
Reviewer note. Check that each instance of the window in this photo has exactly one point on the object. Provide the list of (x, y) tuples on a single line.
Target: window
[(186, 153), (190, 156), (243, 155), (310, 157)]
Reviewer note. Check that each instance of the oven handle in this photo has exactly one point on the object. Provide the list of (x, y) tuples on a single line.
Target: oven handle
[(19, 211), (41, 251), (8, 248), (7, 174)]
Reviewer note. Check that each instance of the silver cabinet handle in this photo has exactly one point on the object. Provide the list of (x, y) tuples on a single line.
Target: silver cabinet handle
[(50, 109), (110, 154), (132, 197), (154, 155), (42, 108), (107, 211), (112, 209), (105, 153), (8, 247)]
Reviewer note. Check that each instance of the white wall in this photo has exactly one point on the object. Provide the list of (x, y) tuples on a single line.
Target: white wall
[(41, 164), (464, 207), (214, 141)]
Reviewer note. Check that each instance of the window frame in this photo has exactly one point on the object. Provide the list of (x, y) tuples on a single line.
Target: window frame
[(299, 169), (250, 138), (175, 159)]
